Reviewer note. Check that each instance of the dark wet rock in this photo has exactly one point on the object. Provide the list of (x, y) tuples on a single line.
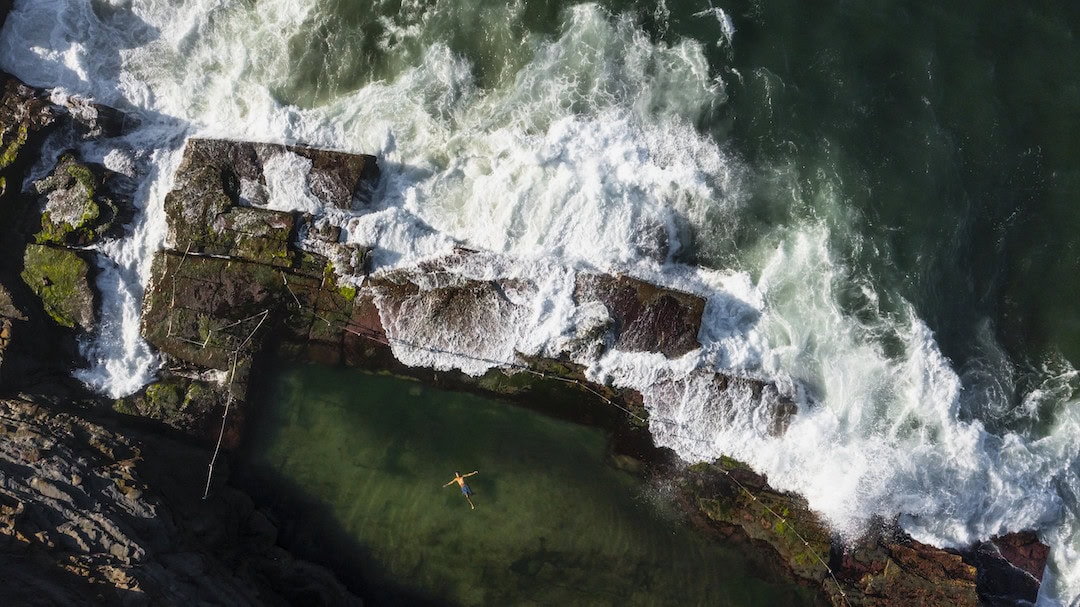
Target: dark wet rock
[(11, 317), (96, 121), (884, 567), (646, 318), (8, 308), (25, 115), (190, 404), (1024, 551), (733, 497), (1010, 568), (92, 516), (60, 277), (23, 111)]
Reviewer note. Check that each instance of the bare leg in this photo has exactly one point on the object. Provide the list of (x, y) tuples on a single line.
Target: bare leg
[(471, 505)]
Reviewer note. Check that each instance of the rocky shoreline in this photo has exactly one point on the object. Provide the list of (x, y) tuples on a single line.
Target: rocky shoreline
[(233, 287)]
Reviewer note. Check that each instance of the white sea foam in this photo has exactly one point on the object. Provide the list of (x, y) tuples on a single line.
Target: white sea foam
[(583, 156)]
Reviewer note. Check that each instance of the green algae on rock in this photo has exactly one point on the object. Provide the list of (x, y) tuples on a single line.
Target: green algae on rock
[(25, 115), (60, 278), (886, 567), (76, 213)]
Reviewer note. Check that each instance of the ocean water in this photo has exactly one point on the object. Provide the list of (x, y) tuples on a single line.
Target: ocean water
[(876, 198)]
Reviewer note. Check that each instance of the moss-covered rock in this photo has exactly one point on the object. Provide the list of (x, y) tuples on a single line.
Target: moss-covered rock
[(886, 567), (183, 403), (74, 210), (12, 143), (25, 114), (60, 277), (222, 187)]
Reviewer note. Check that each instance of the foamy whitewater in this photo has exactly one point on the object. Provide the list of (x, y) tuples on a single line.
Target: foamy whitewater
[(578, 152)]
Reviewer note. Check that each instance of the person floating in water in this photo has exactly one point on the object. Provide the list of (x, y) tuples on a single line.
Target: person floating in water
[(459, 478)]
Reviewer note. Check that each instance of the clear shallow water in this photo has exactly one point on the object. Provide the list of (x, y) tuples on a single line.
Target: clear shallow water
[(876, 198), (555, 522)]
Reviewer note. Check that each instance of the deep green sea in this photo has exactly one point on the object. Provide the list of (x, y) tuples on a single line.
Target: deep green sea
[(877, 199)]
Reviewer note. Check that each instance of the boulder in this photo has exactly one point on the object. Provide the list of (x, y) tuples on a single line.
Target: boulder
[(25, 115), (1010, 568), (60, 277), (221, 189), (76, 209), (646, 317)]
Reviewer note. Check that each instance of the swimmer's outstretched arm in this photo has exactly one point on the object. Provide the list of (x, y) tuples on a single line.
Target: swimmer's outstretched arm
[(452, 481), (471, 473)]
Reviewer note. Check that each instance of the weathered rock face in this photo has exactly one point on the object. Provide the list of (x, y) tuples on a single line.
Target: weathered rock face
[(885, 567), (646, 318), (24, 111), (1010, 568), (79, 520)]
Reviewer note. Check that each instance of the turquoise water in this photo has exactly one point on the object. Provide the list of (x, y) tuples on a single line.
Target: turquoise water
[(556, 522)]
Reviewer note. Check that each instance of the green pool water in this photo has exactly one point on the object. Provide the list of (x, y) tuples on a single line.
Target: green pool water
[(556, 522)]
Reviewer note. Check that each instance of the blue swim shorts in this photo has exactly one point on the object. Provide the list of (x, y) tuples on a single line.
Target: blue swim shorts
[(466, 491)]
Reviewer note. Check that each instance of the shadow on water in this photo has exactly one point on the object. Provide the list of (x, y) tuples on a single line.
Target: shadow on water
[(352, 467), (309, 528)]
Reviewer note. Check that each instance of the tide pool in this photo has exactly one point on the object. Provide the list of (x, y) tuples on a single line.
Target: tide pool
[(357, 463)]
